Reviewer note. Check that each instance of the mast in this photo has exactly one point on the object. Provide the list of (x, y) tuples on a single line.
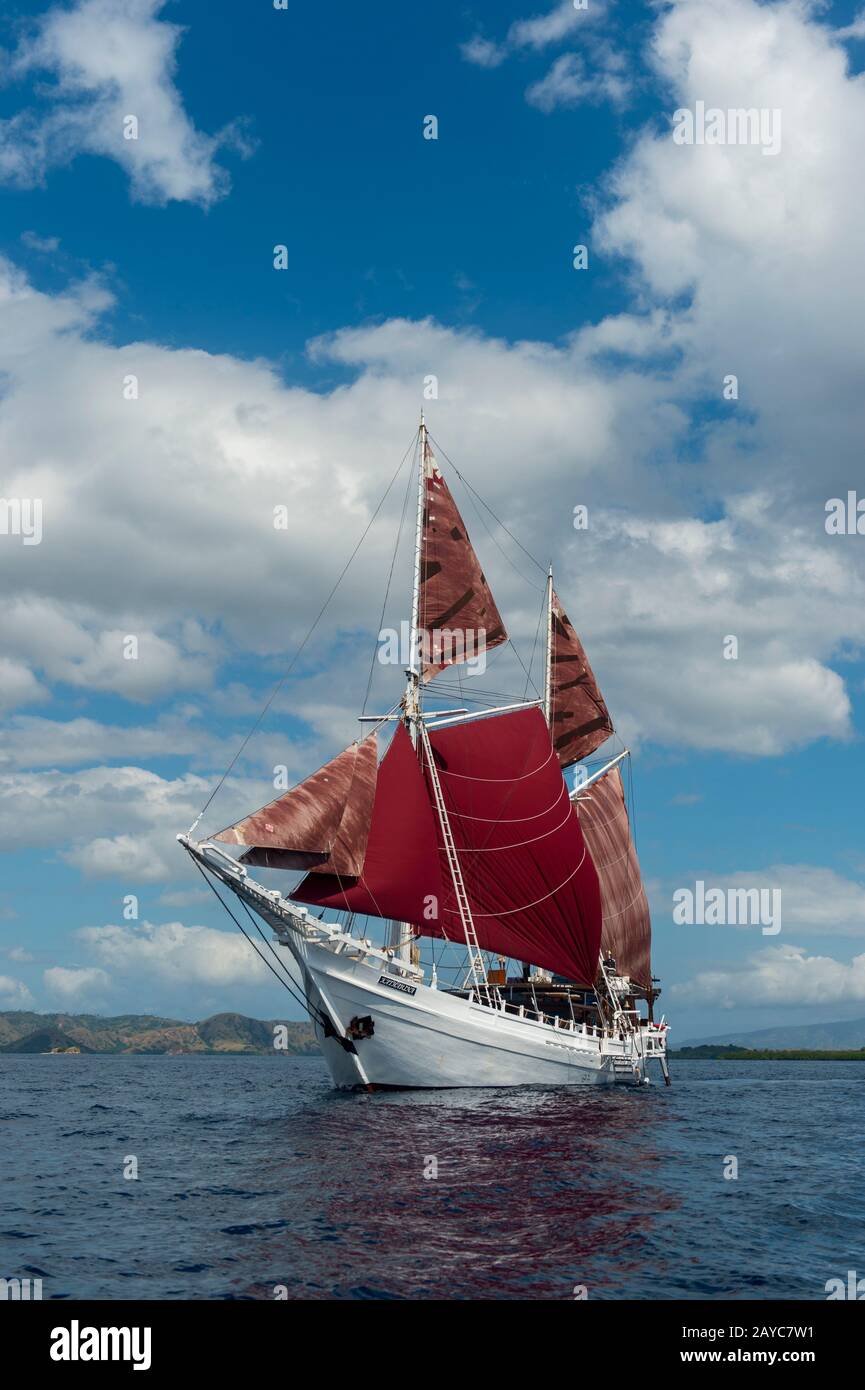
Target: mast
[(548, 668), (413, 686), (404, 931)]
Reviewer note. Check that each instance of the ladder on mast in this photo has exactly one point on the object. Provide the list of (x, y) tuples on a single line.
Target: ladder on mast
[(477, 965)]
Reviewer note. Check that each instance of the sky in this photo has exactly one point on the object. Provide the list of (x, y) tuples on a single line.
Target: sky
[(163, 387)]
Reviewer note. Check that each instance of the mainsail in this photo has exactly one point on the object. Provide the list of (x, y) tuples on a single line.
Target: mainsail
[(458, 617), (531, 884), (532, 887), (321, 824), (579, 719), (626, 930)]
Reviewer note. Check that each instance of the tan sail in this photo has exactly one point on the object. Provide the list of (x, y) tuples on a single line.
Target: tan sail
[(626, 929), (458, 617), (579, 720), (322, 824)]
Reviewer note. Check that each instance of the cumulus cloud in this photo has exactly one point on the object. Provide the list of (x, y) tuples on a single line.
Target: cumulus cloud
[(572, 81), (173, 954), (108, 821), (18, 685), (596, 74), (594, 415), (30, 741), (74, 985), (780, 975), (14, 994), (814, 900), (706, 518), (110, 60)]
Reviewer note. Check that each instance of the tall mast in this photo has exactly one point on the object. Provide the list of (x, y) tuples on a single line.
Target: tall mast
[(404, 931), (548, 669), (413, 687)]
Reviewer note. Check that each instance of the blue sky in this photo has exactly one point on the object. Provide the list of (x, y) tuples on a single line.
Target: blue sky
[(557, 387)]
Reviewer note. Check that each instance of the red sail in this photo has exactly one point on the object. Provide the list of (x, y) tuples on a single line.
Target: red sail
[(531, 883), (400, 876), (626, 930), (322, 823), (458, 617), (580, 719)]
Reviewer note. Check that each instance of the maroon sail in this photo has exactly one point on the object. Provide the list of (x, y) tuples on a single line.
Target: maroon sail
[(626, 929), (322, 823), (530, 881), (458, 617), (400, 877), (580, 721)]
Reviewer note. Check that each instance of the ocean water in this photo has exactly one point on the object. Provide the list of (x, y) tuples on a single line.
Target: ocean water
[(253, 1176)]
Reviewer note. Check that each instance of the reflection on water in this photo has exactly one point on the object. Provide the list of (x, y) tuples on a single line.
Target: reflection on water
[(255, 1174)]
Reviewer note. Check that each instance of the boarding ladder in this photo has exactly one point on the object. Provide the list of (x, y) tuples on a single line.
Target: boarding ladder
[(477, 965), (622, 1022)]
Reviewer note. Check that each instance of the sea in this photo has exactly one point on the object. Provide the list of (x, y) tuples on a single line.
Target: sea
[(232, 1177)]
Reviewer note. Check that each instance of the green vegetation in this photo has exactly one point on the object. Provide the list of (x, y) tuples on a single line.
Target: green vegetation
[(729, 1052), (222, 1034)]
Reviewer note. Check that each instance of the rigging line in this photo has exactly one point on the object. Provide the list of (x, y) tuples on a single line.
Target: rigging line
[(281, 682), (439, 450), (387, 588), (535, 644), (305, 1003)]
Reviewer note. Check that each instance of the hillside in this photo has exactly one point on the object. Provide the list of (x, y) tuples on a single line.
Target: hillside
[(820, 1037), (23, 1031), (728, 1052)]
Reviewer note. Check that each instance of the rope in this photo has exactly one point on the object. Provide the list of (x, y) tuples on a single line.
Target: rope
[(387, 586), (440, 451), (281, 682), (304, 1002)]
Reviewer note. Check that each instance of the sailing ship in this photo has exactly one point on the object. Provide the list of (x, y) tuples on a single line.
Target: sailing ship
[(468, 833)]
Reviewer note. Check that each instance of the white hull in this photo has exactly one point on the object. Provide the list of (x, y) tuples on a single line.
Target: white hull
[(433, 1039), (421, 1036)]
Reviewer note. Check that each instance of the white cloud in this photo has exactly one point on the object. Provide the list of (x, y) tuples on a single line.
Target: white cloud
[(29, 741), (73, 985), (14, 994), (18, 953), (106, 820), (780, 975), (614, 418), (572, 81), (173, 954), (594, 423), (813, 898), (110, 59), (18, 685), (596, 74), (483, 52), (855, 30), (45, 245)]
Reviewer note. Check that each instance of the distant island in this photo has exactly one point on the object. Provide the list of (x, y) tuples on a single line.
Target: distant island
[(33, 1033), (844, 1035), (731, 1052)]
